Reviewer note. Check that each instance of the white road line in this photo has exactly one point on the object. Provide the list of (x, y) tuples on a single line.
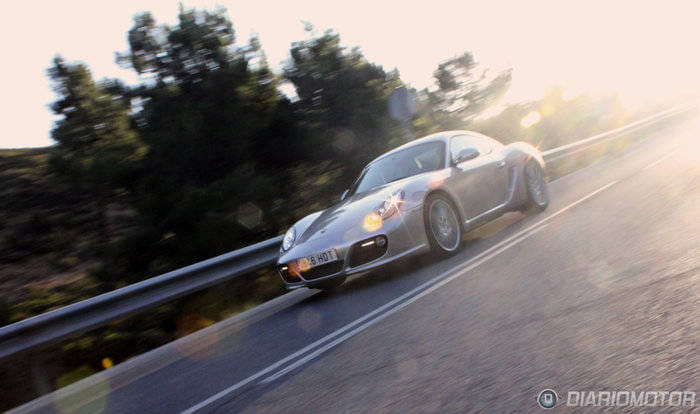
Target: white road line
[(660, 160), (429, 286), (396, 308)]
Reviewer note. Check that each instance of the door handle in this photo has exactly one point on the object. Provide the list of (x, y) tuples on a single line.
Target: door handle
[(501, 164)]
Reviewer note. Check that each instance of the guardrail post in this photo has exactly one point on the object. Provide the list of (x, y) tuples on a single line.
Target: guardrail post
[(42, 383)]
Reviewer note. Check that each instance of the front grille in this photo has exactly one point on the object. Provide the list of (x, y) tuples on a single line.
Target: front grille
[(323, 270), (367, 250)]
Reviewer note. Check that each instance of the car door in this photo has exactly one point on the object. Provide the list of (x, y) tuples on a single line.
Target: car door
[(496, 175), (478, 181)]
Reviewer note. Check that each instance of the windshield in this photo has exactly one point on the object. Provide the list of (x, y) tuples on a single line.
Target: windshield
[(401, 164)]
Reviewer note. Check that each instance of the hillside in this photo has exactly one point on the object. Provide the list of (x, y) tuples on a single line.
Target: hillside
[(47, 234)]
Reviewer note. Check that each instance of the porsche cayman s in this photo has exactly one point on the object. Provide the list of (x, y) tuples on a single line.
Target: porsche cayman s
[(420, 197)]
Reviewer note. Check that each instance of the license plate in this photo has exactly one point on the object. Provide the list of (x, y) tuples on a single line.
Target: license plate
[(324, 257)]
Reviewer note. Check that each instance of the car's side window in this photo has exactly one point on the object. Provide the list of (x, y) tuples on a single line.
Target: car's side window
[(483, 144), (460, 142)]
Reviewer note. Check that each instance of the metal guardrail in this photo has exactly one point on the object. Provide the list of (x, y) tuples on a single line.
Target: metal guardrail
[(99, 310), (583, 144)]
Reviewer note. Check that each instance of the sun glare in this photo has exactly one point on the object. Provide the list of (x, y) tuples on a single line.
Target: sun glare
[(530, 119)]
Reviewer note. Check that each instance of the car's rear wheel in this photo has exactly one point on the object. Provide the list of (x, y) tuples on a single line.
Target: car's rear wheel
[(442, 225), (537, 192)]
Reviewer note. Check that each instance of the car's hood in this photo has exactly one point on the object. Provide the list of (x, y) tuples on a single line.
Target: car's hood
[(348, 215)]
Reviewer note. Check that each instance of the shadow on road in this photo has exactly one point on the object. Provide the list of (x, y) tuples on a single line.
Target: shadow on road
[(398, 269)]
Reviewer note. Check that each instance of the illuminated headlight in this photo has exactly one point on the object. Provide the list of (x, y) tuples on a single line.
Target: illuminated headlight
[(288, 239), (391, 205)]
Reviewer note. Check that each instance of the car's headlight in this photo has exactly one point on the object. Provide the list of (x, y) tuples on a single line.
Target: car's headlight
[(289, 238), (391, 205)]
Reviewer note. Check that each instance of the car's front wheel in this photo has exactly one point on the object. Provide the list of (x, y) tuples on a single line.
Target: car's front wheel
[(442, 225)]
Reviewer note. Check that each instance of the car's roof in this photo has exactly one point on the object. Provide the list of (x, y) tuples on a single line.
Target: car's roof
[(438, 136)]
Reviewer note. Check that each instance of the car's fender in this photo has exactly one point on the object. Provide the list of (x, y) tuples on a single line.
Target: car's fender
[(301, 225), (518, 155), (524, 152)]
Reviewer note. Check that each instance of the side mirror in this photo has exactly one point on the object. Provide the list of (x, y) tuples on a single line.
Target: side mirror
[(344, 195), (466, 155)]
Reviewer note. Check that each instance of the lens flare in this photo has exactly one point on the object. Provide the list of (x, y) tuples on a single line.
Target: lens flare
[(294, 270), (107, 363), (530, 119), (390, 205), (91, 399), (547, 109), (436, 182), (304, 264), (372, 222)]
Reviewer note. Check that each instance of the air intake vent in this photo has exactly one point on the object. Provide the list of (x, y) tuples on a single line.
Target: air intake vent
[(367, 250)]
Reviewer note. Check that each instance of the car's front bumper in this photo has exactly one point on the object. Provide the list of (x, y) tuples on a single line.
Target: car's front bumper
[(404, 232)]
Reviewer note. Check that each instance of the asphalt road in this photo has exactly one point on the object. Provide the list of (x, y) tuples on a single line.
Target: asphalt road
[(599, 292)]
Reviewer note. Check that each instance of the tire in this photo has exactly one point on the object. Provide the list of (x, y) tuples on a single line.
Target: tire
[(442, 225), (536, 186), (328, 285)]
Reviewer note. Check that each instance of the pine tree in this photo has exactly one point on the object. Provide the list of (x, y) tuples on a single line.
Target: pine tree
[(96, 147), (344, 99)]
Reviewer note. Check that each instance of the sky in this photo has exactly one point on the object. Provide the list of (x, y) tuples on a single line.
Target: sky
[(643, 50)]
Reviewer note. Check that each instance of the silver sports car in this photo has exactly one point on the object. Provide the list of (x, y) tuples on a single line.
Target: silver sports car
[(416, 198)]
